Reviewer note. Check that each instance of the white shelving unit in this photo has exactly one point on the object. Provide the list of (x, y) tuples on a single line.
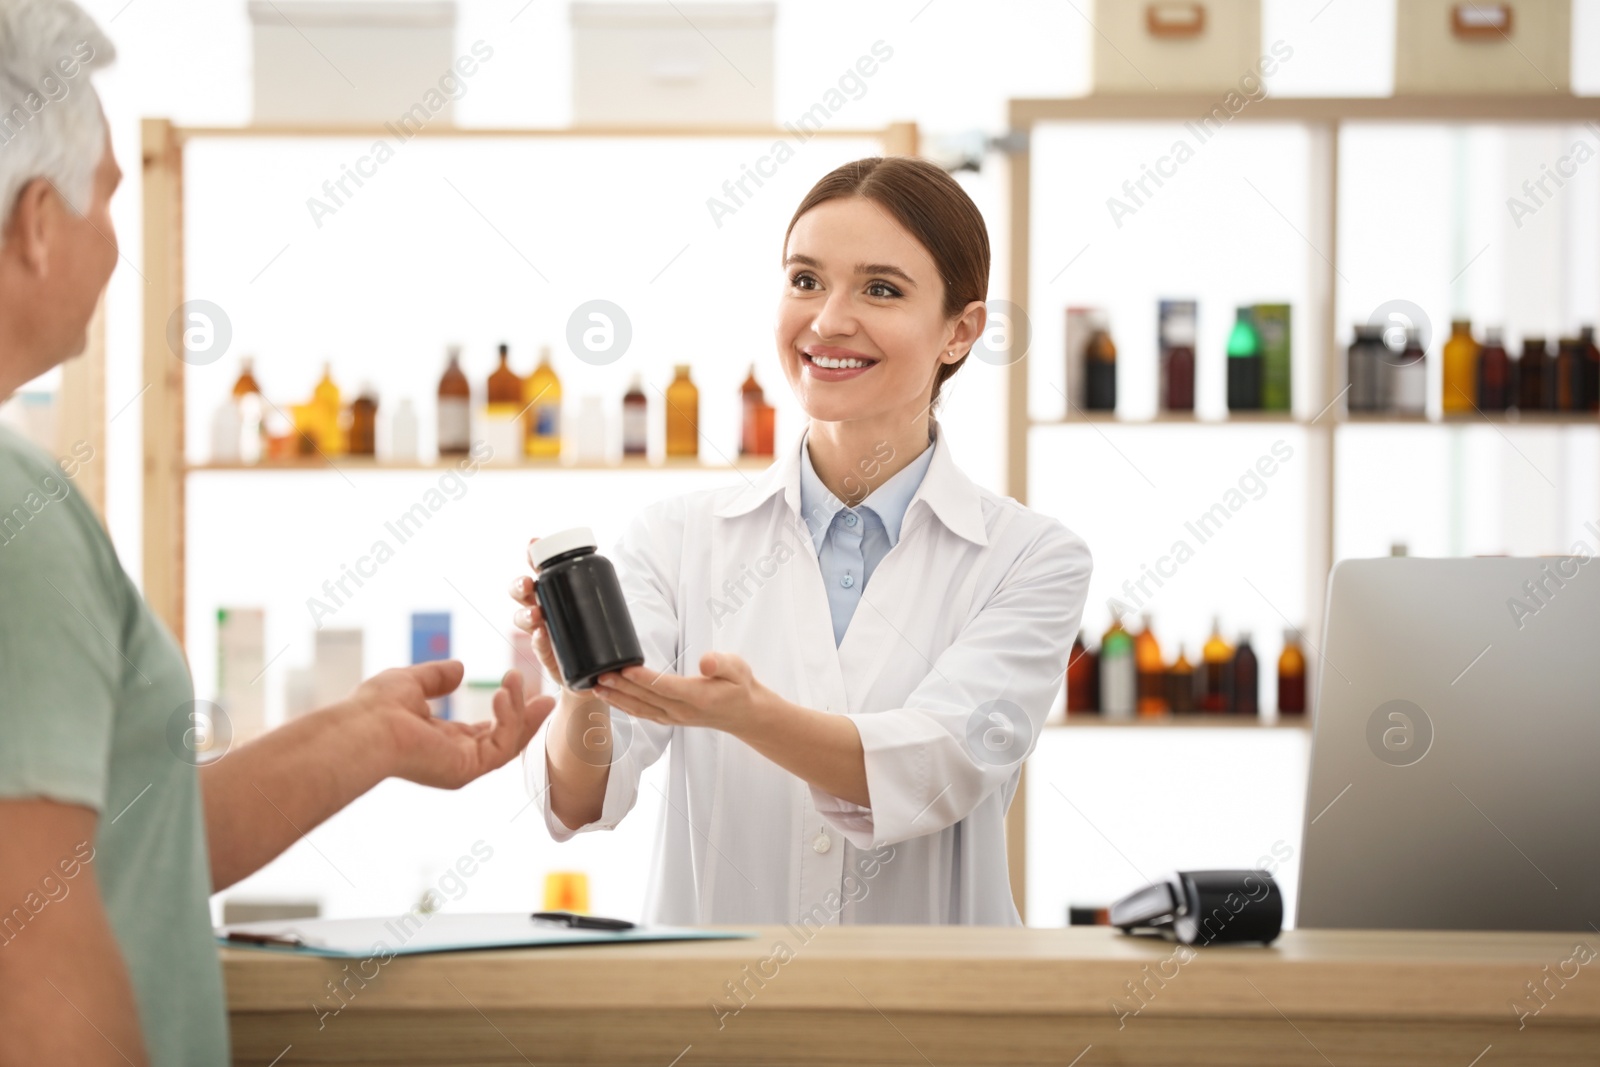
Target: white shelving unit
[(1040, 447)]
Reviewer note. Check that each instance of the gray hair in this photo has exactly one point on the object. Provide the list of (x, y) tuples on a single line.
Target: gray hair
[(50, 121)]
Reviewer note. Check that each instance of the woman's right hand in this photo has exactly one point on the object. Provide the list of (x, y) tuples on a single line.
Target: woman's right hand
[(531, 619)]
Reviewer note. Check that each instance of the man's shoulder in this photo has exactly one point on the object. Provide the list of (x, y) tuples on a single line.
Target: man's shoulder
[(40, 512)]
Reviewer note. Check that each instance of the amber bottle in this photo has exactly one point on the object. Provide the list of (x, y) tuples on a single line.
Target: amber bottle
[(683, 415), (1152, 671), (455, 409), (1215, 677), (1591, 368), (246, 383), (1569, 375), (1291, 675), (751, 401), (1080, 678), (1460, 369), (1180, 685), (364, 422)]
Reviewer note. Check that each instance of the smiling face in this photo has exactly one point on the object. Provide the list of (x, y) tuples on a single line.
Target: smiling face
[(862, 328)]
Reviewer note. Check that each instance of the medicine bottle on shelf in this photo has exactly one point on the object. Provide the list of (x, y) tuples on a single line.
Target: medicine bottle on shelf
[(1407, 387), (1244, 364), (1365, 369), (1494, 372), (1152, 671), (1291, 675), (1118, 674), (751, 401), (253, 439), (455, 408), (1246, 678), (329, 414), (1569, 393), (1175, 332), (364, 422), (683, 415), (1080, 681), (245, 385), (542, 397), (502, 413), (403, 433), (1215, 659), (1591, 369), (1099, 367), (1180, 684), (1460, 379), (635, 420), (1535, 376)]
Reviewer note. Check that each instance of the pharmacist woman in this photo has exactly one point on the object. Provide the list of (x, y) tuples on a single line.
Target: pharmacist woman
[(846, 660)]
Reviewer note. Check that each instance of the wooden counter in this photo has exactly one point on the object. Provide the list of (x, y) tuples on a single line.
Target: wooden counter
[(940, 995)]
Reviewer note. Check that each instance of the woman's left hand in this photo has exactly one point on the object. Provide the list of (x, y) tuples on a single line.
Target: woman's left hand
[(726, 696)]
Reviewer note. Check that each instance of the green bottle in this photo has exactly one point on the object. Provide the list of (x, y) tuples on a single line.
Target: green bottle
[(1244, 364), (1272, 324)]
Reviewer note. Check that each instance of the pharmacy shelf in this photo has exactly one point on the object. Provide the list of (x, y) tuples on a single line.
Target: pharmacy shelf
[(1199, 720), (166, 467), (1321, 119)]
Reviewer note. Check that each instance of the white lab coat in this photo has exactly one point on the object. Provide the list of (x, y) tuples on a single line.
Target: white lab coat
[(950, 664)]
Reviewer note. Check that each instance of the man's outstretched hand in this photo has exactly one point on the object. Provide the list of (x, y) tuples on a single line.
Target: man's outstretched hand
[(439, 752)]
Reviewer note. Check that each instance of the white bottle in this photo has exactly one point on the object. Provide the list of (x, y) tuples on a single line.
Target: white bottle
[(1408, 378), (590, 438), (250, 431), (1119, 681), (403, 433), (226, 426)]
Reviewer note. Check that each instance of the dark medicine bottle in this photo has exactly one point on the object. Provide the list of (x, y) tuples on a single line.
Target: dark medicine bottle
[(1535, 376), (581, 598), (1245, 701), (1100, 369), (1495, 388)]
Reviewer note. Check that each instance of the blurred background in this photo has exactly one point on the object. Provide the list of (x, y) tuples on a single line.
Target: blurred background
[(613, 200)]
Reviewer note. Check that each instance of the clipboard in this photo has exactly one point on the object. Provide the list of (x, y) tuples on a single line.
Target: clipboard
[(415, 934)]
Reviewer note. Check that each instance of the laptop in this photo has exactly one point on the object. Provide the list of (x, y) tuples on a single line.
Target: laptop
[(1455, 760)]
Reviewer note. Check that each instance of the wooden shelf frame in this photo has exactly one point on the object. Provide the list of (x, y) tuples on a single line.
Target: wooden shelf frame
[(1323, 119), (363, 464), (1199, 720)]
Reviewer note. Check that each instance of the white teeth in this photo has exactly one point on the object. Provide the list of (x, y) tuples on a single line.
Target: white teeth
[(839, 364)]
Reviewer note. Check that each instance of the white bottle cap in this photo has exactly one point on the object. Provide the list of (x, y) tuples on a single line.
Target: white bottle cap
[(547, 548)]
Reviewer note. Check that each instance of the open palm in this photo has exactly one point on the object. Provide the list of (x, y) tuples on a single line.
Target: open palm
[(439, 752)]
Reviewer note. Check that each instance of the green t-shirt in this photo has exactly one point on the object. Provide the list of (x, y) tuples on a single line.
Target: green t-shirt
[(90, 683)]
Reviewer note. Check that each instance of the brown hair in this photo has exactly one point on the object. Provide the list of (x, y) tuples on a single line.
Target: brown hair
[(937, 212)]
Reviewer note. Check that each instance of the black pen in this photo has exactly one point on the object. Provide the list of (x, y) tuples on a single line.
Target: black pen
[(573, 920)]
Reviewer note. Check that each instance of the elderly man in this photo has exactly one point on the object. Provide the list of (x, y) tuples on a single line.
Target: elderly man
[(110, 842)]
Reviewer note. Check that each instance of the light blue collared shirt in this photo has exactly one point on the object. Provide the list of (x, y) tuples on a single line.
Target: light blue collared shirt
[(850, 542)]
